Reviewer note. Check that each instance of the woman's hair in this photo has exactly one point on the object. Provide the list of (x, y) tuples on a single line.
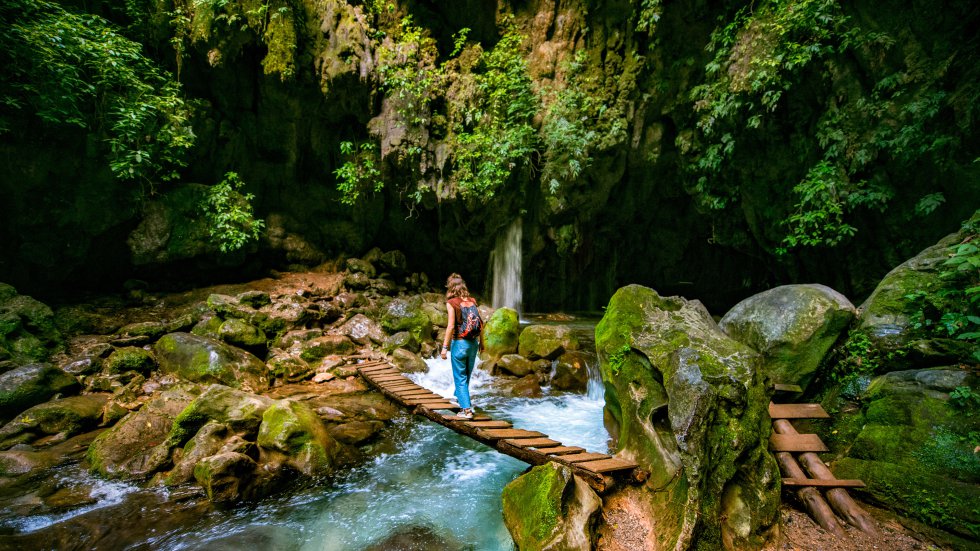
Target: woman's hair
[(456, 287)]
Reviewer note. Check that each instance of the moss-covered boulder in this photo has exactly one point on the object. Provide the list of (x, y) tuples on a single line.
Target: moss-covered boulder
[(572, 370), (328, 345), (238, 410), (437, 313), (136, 447), (546, 341), (792, 326), (501, 334), (361, 266), (401, 339), (549, 508), (241, 333), (406, 314), (690, 405), (293, 431), (27, 328), (515, 364), (394, 262), (204, 360), (287, 367), (408, 361), (917, 430), (362, 330), (130, 358), (66, 417), (223, 475), (153, 330), (30, 385), (172, 228)]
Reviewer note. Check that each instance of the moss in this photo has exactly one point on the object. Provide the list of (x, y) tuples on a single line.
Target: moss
[(130, 358), (280, 39), (186, 424), (502, 332), (285, 428), (533, 504)]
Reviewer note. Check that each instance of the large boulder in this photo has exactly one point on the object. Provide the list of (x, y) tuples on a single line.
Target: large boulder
[(239, 411), (204, 360), (129, 358), (66, 417), (27, 329), (690, 405), (918, 430), (546, 341), (136, 447), (792, 326), (30, 385), (502, 332), (362, 330), (408, 362), (550, 508), (316, 349), (572, 370), (292, 432), (241, 333), (394, 262), (407, 314), (516, 365)]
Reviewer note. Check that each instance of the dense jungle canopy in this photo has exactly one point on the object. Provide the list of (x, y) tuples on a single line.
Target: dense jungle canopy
[(705, 148)]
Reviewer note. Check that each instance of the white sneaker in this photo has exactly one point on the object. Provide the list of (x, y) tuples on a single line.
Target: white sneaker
[(465, 414)]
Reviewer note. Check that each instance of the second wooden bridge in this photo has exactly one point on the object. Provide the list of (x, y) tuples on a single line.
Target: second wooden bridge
[(599, 470)]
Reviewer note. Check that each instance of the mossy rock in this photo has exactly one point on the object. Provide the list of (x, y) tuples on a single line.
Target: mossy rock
[(394, 262), (691, 406), (67, 416), (546, 341), (30, 385), (289, 368), (515, 364), (572, 370), (28, 332), (229, 307), (255, 299), (407, 315), (238, 410), (136, 447), (224, 475), (792, 326), (357, 281), (549, 508), (402, 339), (209, 327), (360, 266), (502, 333), (130, 358), (204, 360), (437, 313), (408, 361), (294, 430), (328, 345), (241, 333)]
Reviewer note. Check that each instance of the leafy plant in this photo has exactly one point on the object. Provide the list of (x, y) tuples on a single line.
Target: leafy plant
[(359, 172), (229, 214), (965, 399)]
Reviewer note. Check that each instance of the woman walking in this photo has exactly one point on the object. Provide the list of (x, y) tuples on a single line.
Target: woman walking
[(465, 328)]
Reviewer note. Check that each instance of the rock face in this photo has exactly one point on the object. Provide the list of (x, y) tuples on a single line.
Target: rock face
[(204, 360), (546, 341), (792, 326), (690, 405), (917, 431), (501, 334), (30, 385), (67, 417), (549, 508)]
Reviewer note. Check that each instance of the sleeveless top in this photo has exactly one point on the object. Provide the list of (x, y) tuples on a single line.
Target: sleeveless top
[(457, 304)]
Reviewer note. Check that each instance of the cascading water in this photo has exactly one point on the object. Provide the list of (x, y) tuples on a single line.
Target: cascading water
[(505, 261)]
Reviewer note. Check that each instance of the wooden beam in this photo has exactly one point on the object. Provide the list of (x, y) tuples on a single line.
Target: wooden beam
[(797, 411), (796, 443), (810, 497), (780, 387), (541, 443), (817, 483)]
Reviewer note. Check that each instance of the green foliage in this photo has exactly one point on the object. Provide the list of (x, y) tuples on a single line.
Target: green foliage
[(568, 132), (859, 359), (359, 172), (964, 399), (68, 69), (648, 15), (229, 214), (618, 358), (408, 71)]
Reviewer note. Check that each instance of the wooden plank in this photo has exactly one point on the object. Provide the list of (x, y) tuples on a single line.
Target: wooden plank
[(377, 368), (498, 434), (389, 378), (780, 387), (399, 384), (543, 443), (813, 482), (580, 457), (475, 418), (439, 405), (797, 411), (796, 443), (564, 450), (423, 400), (607, 465), (489, 424), (409, 393)]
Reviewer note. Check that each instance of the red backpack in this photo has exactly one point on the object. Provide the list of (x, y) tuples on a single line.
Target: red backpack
[(469, 324)]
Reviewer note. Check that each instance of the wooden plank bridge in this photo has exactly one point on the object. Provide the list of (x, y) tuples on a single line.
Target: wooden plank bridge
[(601, 471)]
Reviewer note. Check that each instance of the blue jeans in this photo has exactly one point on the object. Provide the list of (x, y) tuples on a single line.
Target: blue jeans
[(462, 353)]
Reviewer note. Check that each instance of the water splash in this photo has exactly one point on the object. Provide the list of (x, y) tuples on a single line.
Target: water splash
[(506, 262)]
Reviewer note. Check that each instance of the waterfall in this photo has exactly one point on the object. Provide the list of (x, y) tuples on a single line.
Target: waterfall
[(505, 261), (595, 390)]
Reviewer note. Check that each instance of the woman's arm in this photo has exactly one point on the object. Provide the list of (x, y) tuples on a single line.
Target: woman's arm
[(450, 326)]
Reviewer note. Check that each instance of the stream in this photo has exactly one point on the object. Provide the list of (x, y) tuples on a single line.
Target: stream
[(423, 487)]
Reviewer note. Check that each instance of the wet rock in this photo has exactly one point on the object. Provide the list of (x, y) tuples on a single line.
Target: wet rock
[(208, 441), (328, 345), (240, 411), (571, 370), (404, 314), (384, 287), (549, 508), (690, 405), (356, 433), (394, 262), (359, 266), (437, 313), (255, 299), (209, 326), (136, 447), (417, 538), (67, 417), (515, 364), (153, 330), (299, 336), (30, 385), (502, 333), (546, 341), (792, 326), (294, 431), (362, 330), (223, 475), (229, 307), (402, 339), (27, 328), (83, 365), (204, 360), (527, 386), (288, 367), (408, 361), (130, 358), (240, 333)]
